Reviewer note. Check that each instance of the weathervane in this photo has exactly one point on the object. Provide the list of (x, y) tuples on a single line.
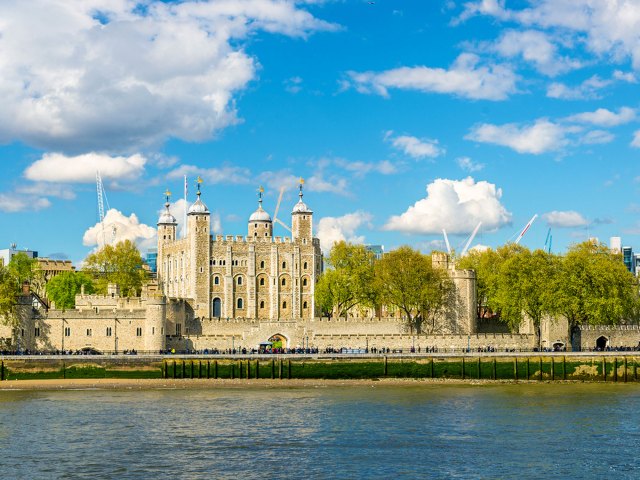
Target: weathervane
[(260, 192), (198, 182), (167, 194)]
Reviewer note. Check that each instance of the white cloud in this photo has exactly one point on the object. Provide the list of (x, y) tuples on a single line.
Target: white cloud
[(119, 75), (360, 169), (628, 77), (465, 163), (536, 48), (607, 28), (543, 136), (594, 137), (335, 229), (586, 90), (226, 174), (47, 189), (466, 78), (636, 139), (60, 168), (293, 85), (415, 147), (126, 228), (605, 118), (455, 205), (17, 202), (566, 219)]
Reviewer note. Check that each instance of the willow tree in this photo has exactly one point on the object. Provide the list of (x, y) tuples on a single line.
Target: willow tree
[(406, 279), (120, 264), (348, 281)]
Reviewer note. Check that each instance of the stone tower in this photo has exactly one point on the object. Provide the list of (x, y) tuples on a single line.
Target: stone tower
[(167, 226), (198, 262), (301, 221), (260, 224)]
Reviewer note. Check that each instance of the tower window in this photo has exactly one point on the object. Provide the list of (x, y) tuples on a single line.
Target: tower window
[(284, 305), (262, 304), (240, 303), (139, 332), (262, 282), (304, 305), (304, 282), (262, 264), (284, 265), (284, 282), (216, 280), (304, 266), (88, 332), (256, 225), (239, 280), (108, 331)]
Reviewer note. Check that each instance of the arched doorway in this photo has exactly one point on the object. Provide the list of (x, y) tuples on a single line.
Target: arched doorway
[(602, 343), (558, 347), (216, 308), (278, 341)]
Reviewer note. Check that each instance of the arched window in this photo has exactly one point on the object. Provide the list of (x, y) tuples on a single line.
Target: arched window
[(262, 304), (262, 264), (284, 265), (304, 282), (216, 280), (239, 280), (304, 305), (262, 282), (239, 303), (304, 266), (284, 282), (284, 305)]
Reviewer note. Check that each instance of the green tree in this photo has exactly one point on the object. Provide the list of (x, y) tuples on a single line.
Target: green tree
[(63, 288), (9, 291), (120, 264), (593, 287), (407, 280), (349, 280)]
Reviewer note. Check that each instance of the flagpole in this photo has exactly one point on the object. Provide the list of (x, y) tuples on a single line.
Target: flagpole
[(184, 229)]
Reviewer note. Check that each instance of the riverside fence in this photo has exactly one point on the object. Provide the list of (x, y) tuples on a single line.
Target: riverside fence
[(593, 367)]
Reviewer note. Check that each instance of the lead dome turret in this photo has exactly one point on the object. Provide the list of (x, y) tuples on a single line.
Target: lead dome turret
[(198, 207), (260, 223)]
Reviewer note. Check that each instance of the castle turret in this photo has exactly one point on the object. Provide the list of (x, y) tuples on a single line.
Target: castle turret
[(199, 227), (166, 234), (301, 221), (260, 224)]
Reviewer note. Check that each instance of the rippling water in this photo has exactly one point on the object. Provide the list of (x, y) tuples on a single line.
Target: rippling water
[(435, 431)]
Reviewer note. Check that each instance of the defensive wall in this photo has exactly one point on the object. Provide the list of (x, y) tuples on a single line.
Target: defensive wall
[(602, 367)]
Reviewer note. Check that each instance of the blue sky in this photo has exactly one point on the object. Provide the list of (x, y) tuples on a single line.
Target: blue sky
[(404, 118)]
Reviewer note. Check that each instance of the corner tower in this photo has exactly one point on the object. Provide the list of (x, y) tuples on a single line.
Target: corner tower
[(166, 234), (301, 221), (260, 224), (199, 248)]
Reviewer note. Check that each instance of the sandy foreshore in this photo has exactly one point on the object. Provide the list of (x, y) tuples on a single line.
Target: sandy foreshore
[(146, 384)]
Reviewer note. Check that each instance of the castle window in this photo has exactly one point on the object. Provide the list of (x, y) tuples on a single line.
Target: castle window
[(239, 303), (304, 305), (284, 265), (178, 329), (266, 234), (88, 332), (239, 280), (304, 282), (262, 282), (284, 305), (262, 264), (108, 331), (67, 331), (256, 225), (304, 266), (139, 332), (216, 280), (255, 234), (153, 330), (201, 269), (284, 282), (37, 332)]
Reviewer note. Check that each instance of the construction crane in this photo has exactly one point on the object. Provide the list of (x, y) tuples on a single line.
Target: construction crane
[(526, 227), (102, 199), (473, 235), (275, 214), (446, 241), (547, 242)]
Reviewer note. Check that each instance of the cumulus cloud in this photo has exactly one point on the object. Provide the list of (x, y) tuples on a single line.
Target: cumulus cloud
[(360, 169), (126, 228), (594, 137), (589, 89), (534, 47), (335, 229), (636, 139), (466, 78), (60, 168), (604, 118), (228, 174), (455, 205), (17, 202), (465, 163), (543, 136), (119, 75), (565, 219), (415, 147)]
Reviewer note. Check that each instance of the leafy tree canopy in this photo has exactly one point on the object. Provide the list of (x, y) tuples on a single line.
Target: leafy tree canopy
[(120, 264), (63, 288)]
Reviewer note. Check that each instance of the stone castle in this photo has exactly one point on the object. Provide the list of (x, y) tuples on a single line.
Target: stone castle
[(233, 292)]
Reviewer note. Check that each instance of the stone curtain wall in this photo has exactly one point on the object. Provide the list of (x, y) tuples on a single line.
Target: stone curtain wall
[(618, 336)]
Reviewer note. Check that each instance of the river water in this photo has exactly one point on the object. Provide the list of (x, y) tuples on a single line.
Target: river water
[(380, 431)]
